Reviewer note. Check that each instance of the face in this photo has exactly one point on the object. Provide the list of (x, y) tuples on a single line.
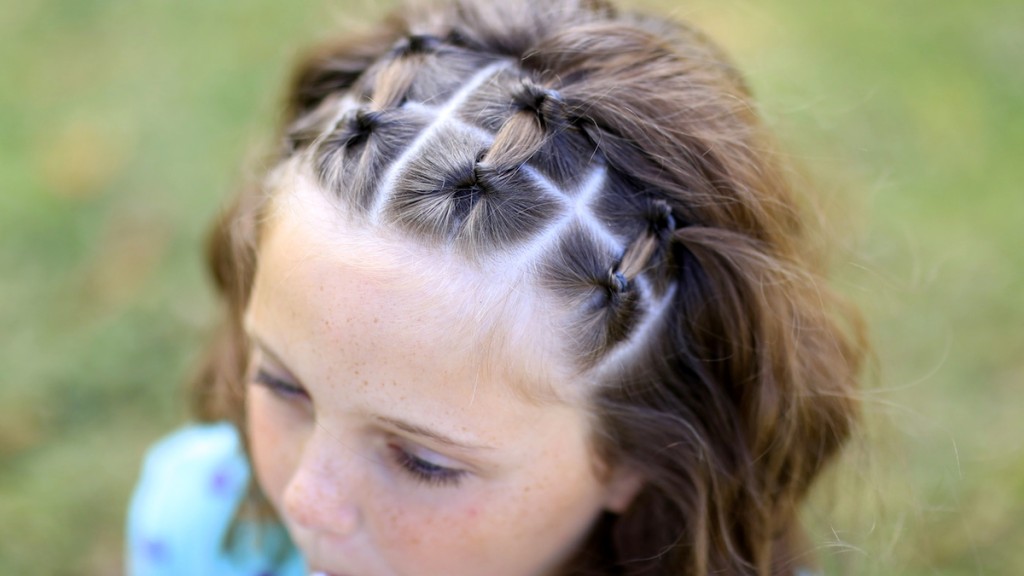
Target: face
[(389, 416)]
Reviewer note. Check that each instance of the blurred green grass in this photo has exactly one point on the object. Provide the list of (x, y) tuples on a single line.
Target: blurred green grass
[(123, 126)]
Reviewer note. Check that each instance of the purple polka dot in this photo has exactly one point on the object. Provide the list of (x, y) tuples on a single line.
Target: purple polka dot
[(155, 551), (265, 573), (221, 482)]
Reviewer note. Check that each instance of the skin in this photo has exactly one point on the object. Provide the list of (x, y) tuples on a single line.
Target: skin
[(364, 360)]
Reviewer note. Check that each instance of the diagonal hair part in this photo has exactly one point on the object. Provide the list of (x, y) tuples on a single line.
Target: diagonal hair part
[(473, 152)]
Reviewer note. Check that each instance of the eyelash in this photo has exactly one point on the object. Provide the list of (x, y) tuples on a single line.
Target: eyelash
[(424, 471), (281, 388), (417, 468)]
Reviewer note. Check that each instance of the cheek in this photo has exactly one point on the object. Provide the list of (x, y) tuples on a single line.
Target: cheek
[(273, 444), (436, 537), (512, 529)]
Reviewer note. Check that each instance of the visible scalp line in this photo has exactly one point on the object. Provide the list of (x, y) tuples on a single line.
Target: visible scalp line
[(578, 212), (425, 109), (591, 187), (531, 253), (580, 203), (443, 116), (544, 183)]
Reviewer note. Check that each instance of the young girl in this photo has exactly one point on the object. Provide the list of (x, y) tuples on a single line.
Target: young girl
[(526, 292)]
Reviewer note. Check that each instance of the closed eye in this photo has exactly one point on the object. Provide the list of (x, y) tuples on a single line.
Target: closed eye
[(423, 470), (281, 387)]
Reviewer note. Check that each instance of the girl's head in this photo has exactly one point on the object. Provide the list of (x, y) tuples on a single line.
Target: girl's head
[(527, 292)]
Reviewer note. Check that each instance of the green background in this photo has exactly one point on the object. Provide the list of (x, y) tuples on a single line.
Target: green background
[(125, 124)]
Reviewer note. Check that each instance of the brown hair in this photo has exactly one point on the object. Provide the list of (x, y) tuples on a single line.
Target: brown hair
[(619, 158)]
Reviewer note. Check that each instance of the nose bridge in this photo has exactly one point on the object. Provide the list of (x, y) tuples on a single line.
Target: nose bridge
[(322, 494)]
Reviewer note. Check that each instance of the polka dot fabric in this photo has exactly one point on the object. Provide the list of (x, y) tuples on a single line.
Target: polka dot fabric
[(191, 485)]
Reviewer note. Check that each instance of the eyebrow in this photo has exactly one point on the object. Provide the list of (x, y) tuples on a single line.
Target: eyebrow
[(431, 434), (269, 352)]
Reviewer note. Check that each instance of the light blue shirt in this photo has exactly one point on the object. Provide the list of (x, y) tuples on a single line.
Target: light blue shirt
[(178, 522)]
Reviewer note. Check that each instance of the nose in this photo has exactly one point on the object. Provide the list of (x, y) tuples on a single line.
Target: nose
[(322, 494)]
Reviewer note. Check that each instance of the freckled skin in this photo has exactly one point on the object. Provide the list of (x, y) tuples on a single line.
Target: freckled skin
[(363, 342)]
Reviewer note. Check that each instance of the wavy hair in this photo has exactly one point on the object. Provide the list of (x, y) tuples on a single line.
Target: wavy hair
[(619, 159)]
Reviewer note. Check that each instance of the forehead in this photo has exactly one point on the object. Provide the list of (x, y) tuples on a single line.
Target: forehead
[(484, 320)]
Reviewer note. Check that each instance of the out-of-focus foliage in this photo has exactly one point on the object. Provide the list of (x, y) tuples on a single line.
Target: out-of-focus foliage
[(123, 126)]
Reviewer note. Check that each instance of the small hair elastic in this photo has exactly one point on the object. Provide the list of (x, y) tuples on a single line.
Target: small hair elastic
[(419, 44)]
